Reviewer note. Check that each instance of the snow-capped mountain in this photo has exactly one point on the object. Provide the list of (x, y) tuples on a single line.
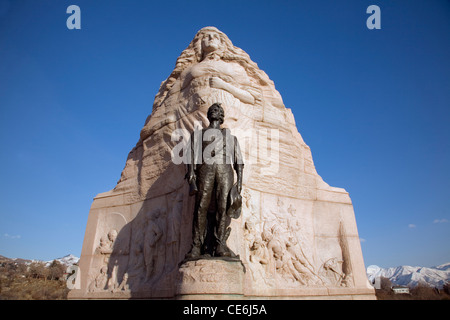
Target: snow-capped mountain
[(68, 260), (412, 276)]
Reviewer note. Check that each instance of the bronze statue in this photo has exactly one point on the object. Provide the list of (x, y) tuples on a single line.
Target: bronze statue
[(214, 153)]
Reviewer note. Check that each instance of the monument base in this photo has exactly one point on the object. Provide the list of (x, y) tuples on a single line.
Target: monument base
[(225, 279), (211, 277)]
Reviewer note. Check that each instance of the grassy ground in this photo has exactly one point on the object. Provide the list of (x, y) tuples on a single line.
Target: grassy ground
[(21, 288)]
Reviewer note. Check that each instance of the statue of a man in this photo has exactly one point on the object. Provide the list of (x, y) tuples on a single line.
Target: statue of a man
[(214, 153)]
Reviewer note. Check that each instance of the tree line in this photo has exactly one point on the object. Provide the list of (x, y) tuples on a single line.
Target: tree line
[(32, 281)]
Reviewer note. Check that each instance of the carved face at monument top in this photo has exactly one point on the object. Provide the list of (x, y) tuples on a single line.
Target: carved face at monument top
[(214, 79), (210, 42)]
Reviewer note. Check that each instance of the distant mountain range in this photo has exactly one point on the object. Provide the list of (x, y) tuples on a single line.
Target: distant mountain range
[(412, 276), (68, 260)]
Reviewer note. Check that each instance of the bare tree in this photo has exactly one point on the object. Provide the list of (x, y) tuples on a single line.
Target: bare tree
[(37, 270), (56, 270), (385, 284)]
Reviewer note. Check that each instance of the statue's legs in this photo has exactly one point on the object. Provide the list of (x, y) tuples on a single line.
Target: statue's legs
[(218, 178), (205, 184), (224, 179)]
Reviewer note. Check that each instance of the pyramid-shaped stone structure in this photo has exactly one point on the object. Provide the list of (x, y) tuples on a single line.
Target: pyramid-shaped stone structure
[(296, 237)]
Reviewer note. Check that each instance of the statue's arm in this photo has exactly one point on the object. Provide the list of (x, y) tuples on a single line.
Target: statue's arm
[(238, 164), (244, 96), (190, 166)]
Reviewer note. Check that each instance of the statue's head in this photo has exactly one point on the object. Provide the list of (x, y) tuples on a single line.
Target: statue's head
[(210, 40), (257, 243), (112, 235), (216, 112)]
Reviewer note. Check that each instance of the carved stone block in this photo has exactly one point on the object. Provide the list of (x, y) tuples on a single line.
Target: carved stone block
[(211, 277)]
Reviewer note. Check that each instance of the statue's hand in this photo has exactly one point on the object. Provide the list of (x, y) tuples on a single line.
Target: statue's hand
[(239, 188), (216, 82), (191, 177), (192, 185)]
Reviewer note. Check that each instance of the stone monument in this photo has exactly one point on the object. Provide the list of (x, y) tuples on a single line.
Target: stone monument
[(295, 237)]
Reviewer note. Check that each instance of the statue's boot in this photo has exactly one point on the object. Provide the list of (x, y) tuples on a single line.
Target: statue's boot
[(222, 250), (194, 253)]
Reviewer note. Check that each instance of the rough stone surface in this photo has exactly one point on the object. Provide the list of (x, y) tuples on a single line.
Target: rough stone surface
[(296, 237)]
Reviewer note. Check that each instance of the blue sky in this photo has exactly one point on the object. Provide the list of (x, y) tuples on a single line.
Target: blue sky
[(373, 105)]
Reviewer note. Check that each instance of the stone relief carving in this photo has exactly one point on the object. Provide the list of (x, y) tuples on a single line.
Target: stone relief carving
[(147, 253), (331, 272), (153, 252), (248, 202), (123, 285), (152, 236), (259, 254), (105, 248), (99, 281), (136, 269), (301, 263), (347, 271), (273, 249), (276, 249), (208, 271), (259, 263), (289, 261), (173, 240), (336, 271)]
